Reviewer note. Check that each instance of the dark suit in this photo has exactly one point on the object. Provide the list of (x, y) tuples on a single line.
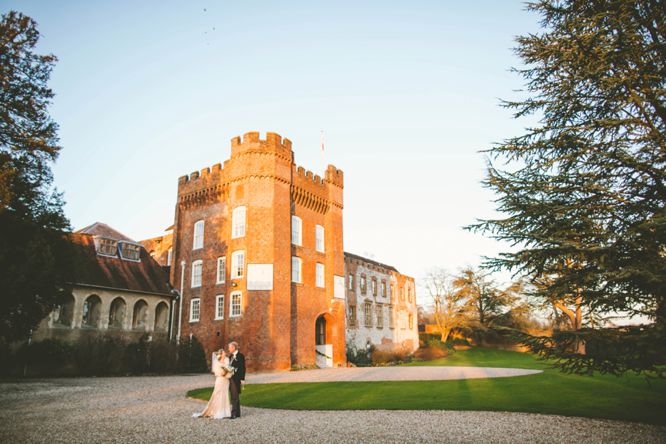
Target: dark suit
[(238, 364)]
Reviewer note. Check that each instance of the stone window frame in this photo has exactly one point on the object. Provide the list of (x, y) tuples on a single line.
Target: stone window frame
[(195, 308), (373, 286), (367, 314), (391, 317), (237, 270), (239, 222), (384, 288), (363, 283), (296, 270), (219, 305), (411, 321), (198, 232), (351, 315), (296, 231), (221, 270), (352, 284), (320, 275), (379, 316), (198, 264), (320, 239), (236, 303)]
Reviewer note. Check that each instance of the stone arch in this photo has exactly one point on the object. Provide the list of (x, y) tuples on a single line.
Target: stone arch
[(92, 310), (323, 340), (161, 316), (117, 313), (139, 315), (65, 312)]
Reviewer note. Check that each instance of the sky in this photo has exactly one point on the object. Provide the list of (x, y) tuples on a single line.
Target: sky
[(406, 93)]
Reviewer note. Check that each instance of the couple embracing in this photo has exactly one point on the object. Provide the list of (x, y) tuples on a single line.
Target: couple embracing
[(229, 370)]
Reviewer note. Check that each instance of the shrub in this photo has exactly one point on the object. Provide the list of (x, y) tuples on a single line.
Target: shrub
[(191, 357), (431, 353), (360, 357), (392, 357)]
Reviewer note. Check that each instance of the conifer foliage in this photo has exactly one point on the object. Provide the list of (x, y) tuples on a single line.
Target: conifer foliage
[(584, 191)]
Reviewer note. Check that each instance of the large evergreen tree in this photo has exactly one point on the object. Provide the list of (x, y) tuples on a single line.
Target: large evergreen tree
[(584, 191), (33, 251)]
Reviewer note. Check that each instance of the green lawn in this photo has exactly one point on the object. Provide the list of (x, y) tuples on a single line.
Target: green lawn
[(628, 398)]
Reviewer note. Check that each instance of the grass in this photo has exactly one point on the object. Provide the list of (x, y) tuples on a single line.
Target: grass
[(629, 398)]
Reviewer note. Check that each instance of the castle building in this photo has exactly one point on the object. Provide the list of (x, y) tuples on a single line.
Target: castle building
[(257, 257), (119, 289), (381, 306)]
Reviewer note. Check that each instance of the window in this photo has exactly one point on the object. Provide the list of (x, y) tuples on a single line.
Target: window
[(198, 241), (319, 235), (411, 321), (390, 317), (409, 295), (391, 291), (195, 310), (108, 247), (403, 322), (379, 311), (169, 254), (236, 299), (130, 252), (351, 282), (402, 293), (197, 268), (219, 307), (384, 288), (140, 315), (221, 270), (374, 286), (320, 275), (92, 309), (352, 315), (367, 314), (296, 230), (363, 284), (238, 222), (237, 264), (296, 263)]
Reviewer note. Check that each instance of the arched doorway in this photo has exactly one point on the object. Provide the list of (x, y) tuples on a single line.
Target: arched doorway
[(161, 316), (140, 314), (323, 343), (65, 312)]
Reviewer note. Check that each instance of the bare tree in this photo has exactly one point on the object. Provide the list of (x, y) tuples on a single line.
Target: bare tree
[(451, 308)]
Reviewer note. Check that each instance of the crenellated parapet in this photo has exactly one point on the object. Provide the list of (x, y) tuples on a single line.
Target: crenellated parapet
[(251, 143), (200, 187)]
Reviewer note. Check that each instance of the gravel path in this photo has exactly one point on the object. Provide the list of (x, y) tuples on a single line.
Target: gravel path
[(154, 409), (388, 374)]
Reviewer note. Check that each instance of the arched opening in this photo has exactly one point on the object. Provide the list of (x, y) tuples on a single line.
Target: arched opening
[(161, 316), (140, 315), (65, 312), (117, 313), (323, 341), (91, 311)]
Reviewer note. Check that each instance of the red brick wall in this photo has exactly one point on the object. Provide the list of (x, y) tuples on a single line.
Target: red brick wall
[(276, 329)]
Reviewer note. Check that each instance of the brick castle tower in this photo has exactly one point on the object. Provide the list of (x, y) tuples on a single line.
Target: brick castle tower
[(258, 255)]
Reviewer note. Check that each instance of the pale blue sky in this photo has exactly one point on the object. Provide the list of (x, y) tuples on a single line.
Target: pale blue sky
[(407, 94)]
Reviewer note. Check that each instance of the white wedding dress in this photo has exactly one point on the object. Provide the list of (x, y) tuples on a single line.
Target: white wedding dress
[(219, 405)]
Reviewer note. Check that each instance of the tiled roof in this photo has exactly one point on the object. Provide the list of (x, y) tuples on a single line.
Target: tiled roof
[(103, 230), (92, 269), (365, 259)]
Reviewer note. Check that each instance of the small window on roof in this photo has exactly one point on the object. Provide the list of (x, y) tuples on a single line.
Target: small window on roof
[(130, 251), (107, 247)]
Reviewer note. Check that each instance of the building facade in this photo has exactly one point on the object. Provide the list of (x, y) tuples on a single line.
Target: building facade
[(257, 257), (381, 306), (119, 290)]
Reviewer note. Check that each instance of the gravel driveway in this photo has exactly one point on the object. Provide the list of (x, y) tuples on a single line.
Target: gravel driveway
[(154, 409)]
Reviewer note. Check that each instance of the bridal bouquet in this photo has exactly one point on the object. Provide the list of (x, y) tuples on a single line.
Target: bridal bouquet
[(227, 370)]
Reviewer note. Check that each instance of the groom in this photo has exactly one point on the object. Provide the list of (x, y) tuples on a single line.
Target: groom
[(237, 362)]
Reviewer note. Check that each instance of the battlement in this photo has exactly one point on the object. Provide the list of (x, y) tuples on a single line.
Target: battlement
[(334, 176), (252, 142), (201, 178)]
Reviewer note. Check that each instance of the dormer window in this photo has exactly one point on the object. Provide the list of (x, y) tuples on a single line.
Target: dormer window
[(130, 252), (107, 247)]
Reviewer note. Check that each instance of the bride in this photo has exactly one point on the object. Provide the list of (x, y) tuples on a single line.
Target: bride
[(219, 405)]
